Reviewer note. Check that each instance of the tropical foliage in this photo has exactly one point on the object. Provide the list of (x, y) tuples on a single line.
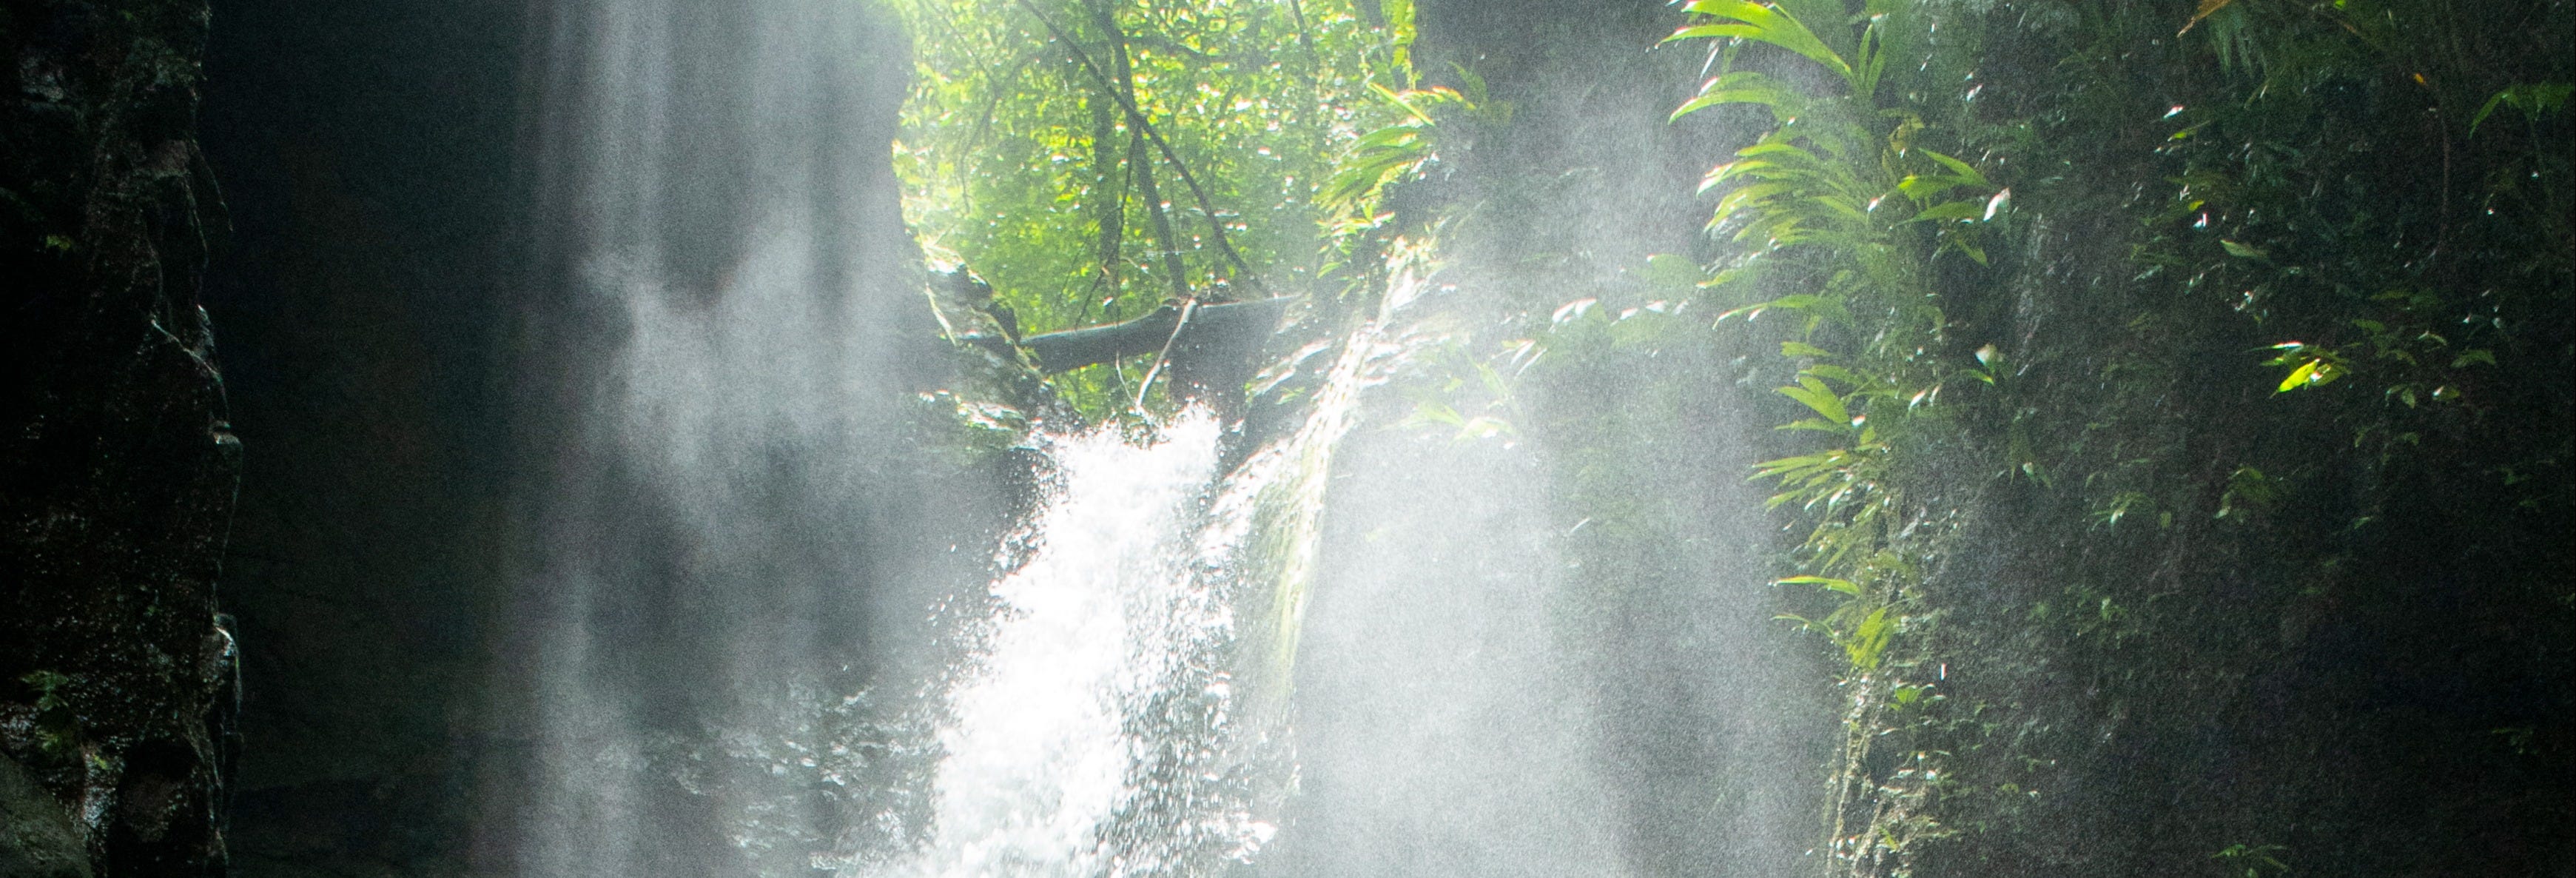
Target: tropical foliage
[(2143, 370), (1094, 158), (2262, 272)]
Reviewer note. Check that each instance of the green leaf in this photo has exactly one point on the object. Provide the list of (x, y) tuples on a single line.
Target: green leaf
[(1843, 586), (1922, 188), (2316, 372), (1399, 100), (2243, 251), (1836, 373), (1746, 87), (1429, 412), (1803, 622), (1963, 169), (1814, 394), (1790, 467), (1868, 641), (2207, 7), (2533, 99), (1818, 308), (1827, 19), (1743, 197), (1670, 271), (1818, 425), (1762, 24)]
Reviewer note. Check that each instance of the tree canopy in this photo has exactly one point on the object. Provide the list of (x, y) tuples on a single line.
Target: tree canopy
[(1093, 159)]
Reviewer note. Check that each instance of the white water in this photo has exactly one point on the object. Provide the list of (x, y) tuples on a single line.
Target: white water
[(718, 548), (1043, 732), (724, 536), (1101, 729)]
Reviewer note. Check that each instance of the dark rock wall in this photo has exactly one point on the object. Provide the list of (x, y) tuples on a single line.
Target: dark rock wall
[(117, 466), (365, 151)]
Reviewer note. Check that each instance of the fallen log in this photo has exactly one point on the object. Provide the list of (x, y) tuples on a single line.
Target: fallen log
[(1221, 327)]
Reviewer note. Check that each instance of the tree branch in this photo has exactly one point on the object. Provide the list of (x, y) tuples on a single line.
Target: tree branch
[(1188, 307), (1216, 227), (1091, 345)]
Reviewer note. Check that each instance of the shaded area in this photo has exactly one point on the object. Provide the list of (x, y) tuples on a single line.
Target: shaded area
[(116, 462), (366, 151), (2193, 497), (2329, 623)]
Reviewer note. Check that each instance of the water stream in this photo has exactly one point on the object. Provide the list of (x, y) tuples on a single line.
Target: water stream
[(1105, 622), (1099, 728), (741, 535)]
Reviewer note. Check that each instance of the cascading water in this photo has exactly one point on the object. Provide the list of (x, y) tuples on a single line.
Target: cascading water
[(1103, 621), (713, 688), (725, 667), (1099, 728), (731, 539)]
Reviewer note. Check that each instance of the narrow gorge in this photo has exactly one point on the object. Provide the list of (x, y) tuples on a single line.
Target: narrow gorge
[(1286, 438)]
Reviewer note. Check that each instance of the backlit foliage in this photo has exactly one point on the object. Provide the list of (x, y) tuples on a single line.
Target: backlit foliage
[(1022, 162), (2267, 260)]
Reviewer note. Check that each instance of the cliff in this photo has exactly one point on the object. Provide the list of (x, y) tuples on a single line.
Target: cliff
[(116, 463)]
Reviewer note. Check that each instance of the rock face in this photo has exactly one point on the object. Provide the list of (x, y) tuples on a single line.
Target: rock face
[(116, 463), (363, 153), (37, 837)]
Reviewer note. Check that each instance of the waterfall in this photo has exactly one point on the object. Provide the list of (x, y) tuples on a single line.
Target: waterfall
[(727, 655), (731, 532), (1104, 621), (740, 528), (1099, 728)]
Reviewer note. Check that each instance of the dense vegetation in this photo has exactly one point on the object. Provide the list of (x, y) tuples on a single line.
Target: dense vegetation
[(1095, 159), (2198, 411), (2175, 399), (2164, 406)]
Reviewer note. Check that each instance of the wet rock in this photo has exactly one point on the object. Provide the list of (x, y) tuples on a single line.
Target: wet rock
[(116, 459), (37, 836)]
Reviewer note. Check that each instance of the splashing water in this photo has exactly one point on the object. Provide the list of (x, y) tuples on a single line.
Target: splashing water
[(721, 536), (1052, 734), (1097, 732)]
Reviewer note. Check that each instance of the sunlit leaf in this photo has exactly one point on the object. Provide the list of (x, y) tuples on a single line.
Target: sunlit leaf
[(2243, 251), (1843, 586), (1762, 24), (1814, 394), (1836, 373), (2312, 373)]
